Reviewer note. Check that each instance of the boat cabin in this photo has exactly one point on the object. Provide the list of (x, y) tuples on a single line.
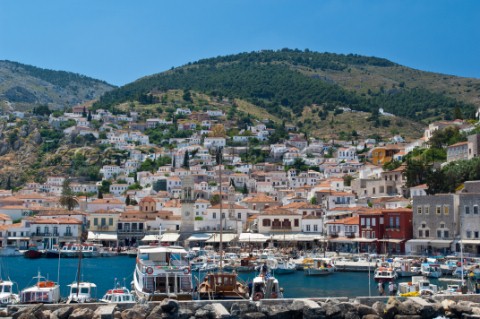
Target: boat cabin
[(82, 292)]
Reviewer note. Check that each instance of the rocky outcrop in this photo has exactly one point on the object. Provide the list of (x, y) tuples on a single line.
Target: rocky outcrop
[(393, 308)]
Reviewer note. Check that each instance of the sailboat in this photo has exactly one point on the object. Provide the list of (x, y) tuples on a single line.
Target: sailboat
[(81, 291), (222, 285)]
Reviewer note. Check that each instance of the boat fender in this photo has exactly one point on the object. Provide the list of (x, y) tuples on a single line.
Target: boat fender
[(149, 270), (257, 296), (186, 271)]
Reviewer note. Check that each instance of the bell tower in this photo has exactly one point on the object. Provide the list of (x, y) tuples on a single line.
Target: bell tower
[(187, 199)]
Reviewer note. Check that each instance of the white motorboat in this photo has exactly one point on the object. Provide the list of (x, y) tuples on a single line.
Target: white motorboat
[(417, 287), (44, 291), (431, 270), (320, 267), (82, 292), (161, 271), (265, 286), (385, 273), (284, 267), (118, 295), (10, 251), (7, 296), (406, 268)]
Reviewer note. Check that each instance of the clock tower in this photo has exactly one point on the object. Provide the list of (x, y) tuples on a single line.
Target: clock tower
[(188, 200)]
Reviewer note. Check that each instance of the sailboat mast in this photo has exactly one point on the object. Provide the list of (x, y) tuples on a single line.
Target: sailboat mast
[(221, 211)]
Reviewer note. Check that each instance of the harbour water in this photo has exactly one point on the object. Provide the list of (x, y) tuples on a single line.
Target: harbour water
[(104, 271)]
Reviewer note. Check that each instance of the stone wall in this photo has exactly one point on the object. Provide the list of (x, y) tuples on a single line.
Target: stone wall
[(458, 306)]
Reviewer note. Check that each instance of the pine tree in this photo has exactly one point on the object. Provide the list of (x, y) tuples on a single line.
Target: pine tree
[(100, 194), (127, 200), (8, 186), (186, 159), (84, 113), (89, 117), (245, 189), (68, 197)]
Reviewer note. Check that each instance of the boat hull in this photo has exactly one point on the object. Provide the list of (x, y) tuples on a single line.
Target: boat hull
[(33, 254)]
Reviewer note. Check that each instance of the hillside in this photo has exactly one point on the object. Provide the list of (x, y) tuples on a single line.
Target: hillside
[(286, 82), (22, 87)]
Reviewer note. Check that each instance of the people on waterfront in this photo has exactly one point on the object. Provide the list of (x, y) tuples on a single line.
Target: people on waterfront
[(392, 288), (381, 291), (264, 268)]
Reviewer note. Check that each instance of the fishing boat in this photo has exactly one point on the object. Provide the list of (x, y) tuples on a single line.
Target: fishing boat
[(53, 252), (82, 292), (32, 252), (431, 270), (161, 271), (265, 286), (320, 267), (247, 264), (44, 291), (385, 273), (118, 295), (419, 286), (10, 251), (7, 296), (285, 267), (223, 286)]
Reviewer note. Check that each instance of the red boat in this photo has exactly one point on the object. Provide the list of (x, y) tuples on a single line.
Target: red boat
[(33, 253)]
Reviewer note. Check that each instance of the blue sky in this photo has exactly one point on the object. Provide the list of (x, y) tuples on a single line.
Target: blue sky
[(120, 41)]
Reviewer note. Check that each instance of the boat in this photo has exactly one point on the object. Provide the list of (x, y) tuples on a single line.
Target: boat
[(320, 267), (90, 251), (81, 292), (32, 252), (407, 268), (449, 266), (118, 295), (161, 271), (419, 286), (44, 291), (265, 286), (223, 286), (7, 296), (52, 252), (431, 270), (285, 267), (385, 273), (247, 264), (10, 251)]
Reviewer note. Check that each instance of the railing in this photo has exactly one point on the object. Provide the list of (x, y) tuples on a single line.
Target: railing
[(281, 226), (131, 231), (67, 234), (350, 235)]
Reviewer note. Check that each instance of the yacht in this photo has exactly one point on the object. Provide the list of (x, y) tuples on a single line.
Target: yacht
[(161, 271), (44, 291)]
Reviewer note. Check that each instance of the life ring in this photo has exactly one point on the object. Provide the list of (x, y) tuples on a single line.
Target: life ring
[(274, 295), (257, 296), (149, 270), (186, 271)]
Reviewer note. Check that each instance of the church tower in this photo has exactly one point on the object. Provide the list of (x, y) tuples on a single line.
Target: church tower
[(231, 202), (188, 200)]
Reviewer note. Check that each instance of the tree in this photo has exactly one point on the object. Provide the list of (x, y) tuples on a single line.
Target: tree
[(127, 200), (84, 112), (218, 130), (8, 186), (100, 194), (313, 200), (89, 117), (215, 200), (186, 160), (245, 189), (68, 198)]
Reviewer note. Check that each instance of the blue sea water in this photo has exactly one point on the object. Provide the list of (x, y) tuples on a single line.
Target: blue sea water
[(104, 271)]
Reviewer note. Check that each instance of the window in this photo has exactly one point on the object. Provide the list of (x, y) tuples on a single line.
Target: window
[(397, 221), (469, 234), (104, 221), (445, 233), (419, 209), (46, 230), (438, 210), (223, 215), (373, 234), (374, 220), (367, 220), (427, 233), (95, 221), (391, 222), (110, 221), (475, 209), (308, 227), (266, 222), (239, 215), (446, 209), (296, 222), (69, 231), (475, 234), (467, 210), (214, 215), (362, 221), (427, 210), (381, 220), (315, 227), (439, 233)]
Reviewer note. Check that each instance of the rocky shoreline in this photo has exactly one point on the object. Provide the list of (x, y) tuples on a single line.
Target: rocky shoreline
[(462, 306)]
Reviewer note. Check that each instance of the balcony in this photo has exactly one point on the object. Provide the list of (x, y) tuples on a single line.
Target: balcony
[(350, 235), (281, 227), (68, 234), (131, 231)]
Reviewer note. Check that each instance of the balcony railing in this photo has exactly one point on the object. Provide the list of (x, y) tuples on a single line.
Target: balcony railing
[(131, 231), (350, 235), (67, 234), (281, 226)]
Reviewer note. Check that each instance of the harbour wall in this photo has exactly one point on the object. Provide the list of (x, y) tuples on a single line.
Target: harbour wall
[(451, 306)]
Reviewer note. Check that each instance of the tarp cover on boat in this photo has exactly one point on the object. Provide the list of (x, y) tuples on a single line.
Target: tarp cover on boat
[(253, 238), (93, 236), (169, 237), (226, 238)]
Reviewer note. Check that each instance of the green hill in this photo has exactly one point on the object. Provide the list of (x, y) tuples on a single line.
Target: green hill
[(23, 87), (285, 82)]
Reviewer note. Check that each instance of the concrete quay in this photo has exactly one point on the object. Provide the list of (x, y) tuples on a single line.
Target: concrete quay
[(451, 306)]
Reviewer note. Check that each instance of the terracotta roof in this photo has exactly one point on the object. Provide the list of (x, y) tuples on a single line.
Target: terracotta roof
[(226, 206), (354, 220), (277, 211), (259, 198), (55, 221), (106, 201)]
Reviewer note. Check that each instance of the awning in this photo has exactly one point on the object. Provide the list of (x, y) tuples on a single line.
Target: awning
[(169, 237), (441, 242), (470, 241), (96, 236), (253, 238), (283, 237), (392, 240), (418, 241), (226, 238), (308, 237), (199, 237), (341, 240), (150, 238), (18, 238), (364, 240)]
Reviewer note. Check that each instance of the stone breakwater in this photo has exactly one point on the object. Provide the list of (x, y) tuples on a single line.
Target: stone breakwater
[(465, 306)]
